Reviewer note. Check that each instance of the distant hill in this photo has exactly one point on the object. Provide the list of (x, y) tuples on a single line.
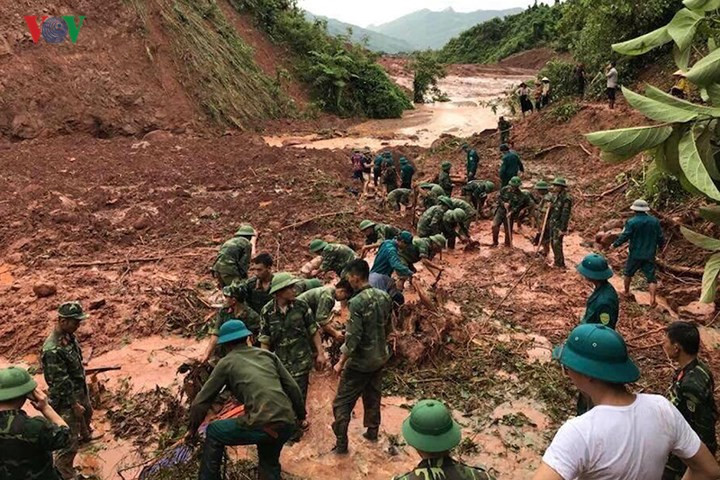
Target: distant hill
[(377, 42), (427, 29)]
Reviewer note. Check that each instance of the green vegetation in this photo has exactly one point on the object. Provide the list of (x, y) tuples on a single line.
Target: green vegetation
[(427, 71), (684, 144), (563, 112), (344, 78)]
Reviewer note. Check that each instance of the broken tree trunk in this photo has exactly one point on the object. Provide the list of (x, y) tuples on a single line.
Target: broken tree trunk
[(680, 270)]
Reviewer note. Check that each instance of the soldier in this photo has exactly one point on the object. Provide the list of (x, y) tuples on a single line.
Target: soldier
[(477, 191), (390, 178), (504, 128), (691, 391), (364, 355), (472, 162), (233, 259), (376, 233), (322, 300), (454, 225), (64, 373), (511, 165), (406, 173), (543, 204), (257, 287), (510, 205), (234, 308), (433, 433), (273, 404), (386, 262), (444, 179), (305, 284), (430, 222), (559, 220), (645, 235), (335, 257), (603, 305), (27, 443), (627, 435), (417, 249), (470, 212), (289, 329), (377, 167), (399, 196)]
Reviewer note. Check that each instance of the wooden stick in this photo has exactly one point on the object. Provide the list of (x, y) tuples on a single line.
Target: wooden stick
[(507, 295), (128, 260), (549, 149), (589, 153), (317, 217), (646, 334), (542, 233)]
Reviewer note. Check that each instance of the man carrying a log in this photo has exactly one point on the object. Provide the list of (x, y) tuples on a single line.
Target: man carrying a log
[(233, 259)]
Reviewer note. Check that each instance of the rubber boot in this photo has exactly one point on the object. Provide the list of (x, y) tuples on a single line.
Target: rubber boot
[(371, 434)]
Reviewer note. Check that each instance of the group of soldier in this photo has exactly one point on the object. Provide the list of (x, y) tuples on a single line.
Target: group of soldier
[(274, 328)]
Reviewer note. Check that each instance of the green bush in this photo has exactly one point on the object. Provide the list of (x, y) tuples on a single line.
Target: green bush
[(563, 112), (562, 78), (427, 70)]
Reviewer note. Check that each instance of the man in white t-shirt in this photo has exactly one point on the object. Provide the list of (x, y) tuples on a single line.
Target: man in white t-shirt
[(611, 74), (625, 436)]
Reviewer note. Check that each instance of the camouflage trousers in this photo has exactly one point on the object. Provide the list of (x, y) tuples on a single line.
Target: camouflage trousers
[(353, 385), (79, 429), (556, 240)]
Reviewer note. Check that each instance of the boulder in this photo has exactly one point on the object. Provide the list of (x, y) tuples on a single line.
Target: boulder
[(26, 127), (698, 310), (43, 290), (97, 304), (208, 213)]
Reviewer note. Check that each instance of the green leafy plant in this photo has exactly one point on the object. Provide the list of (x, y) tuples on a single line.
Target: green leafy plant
[(685, 142), (563, 112), (427, 70)]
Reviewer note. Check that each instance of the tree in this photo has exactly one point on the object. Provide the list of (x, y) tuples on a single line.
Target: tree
[(427, 70)]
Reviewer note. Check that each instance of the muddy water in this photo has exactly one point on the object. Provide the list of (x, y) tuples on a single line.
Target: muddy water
[(465, 114)]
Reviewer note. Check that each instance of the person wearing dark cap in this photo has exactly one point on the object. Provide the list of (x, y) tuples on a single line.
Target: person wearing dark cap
[(603, 305)]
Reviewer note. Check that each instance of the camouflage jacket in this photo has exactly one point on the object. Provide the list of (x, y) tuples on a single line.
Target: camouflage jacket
[(26, 446), (420, 248), (289, 335), (321, 301), (692, 393), (431, 221), (475, 189), (256, 297), (445, 181), (560, 213), (62, 364), (515, 198), (465, 207), (382, 232), (234, 257), (367, 330), (250, 318), (542, 204), (399, 195), (444, 468), (335, 257)]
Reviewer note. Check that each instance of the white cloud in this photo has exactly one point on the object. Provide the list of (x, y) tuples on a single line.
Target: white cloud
[(366, 12)]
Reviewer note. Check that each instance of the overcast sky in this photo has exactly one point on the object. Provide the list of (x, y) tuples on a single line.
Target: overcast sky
[(366, 12)]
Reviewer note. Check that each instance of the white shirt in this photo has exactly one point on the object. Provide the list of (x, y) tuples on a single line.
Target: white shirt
[(612, 78), (622, 443)]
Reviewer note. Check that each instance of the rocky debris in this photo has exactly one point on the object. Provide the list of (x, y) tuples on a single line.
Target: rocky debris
[(44, 290), (142, 223), (5, 48), (97, 304), (26, 127), (605, 239), (698, 311), (157, 136), (208, 213), (613, 224), (681, 296)]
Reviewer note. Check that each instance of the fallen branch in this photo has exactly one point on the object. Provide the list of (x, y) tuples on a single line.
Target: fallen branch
[(680, 270), (607, 192), (588, 152), (129, 260), (549, 149), (646, 334), (317, 217)]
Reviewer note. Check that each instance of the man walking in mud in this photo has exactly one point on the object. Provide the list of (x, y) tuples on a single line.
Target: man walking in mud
[(472, 162), (510, 166), (233, 259), (559, 220)]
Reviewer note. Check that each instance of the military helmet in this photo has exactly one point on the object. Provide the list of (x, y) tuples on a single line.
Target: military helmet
[(15, 382), (245, 231), (640, 205), (599, 352), (559, 181), (449, 217), (515, 181), (282, 280), (389, 161), (438, 239), (387, 154), (318, 245), (309, 284), (445, 200), (466, 146), (405, 237), (594, 267), (366, 224), (446, 166), (232, 330), (489, 186), (426, 185), (542, 185), (72, 310), (403, 161), (459, 215), (430, 427), (437, 190)]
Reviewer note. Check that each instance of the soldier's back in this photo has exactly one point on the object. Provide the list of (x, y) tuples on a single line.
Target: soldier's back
[(444, 468)]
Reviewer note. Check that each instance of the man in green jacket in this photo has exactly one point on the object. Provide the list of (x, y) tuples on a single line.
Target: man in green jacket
[(430, 194), (472, 162), (511, 165), (692, 390), (322, 300), (406, 173), (288, 328), (477, 191), (542, 200), (256, 289), (603, 305), (559, 220), (399, 196), (335, 257), (645, 235), (504, 128), (64, 372), (364, 355), (233, 259), (455, 224), (511, 203), (433, 433), (234, 308), (376, 233), (444, 179), (274, 405), (27, 443), (430, 222), (416, 249)]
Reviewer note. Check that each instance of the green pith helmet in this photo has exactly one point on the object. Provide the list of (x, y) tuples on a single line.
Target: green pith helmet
[(599, 352), (405, 237), (232, 330), (594, 267), (309, 284), (466, 146), (387, 154), (542, 185), (560, 182), (426, 185), (515, 181), (389, 161), (282, 280), (504, 148), (430, 427), (15, 382), (446, 166), (228, 291), (245, 231), (437, 190), (449, 217), (72, 310), (403, 161), (445, 200), (489, 186), (366, 224), (459, 215), (439, 240), (318, 245)]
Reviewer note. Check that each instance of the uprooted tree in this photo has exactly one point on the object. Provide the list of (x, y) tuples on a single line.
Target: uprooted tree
[(685, 142)]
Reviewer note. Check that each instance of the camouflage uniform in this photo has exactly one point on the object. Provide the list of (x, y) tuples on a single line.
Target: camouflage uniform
[(541, 208), (367, 351), (336, 257), (399, 196), (306, 284), (445, 182), (250, 318), (64, 373), (504, 129), (692, 394), (289, 335), (559, 220), (430, 222), (321, 302), (255, 296), (467, 208), (476, 191), (444, 468), (430, 199), (382, 232), (26, 445), (233, 260), (517, 201)]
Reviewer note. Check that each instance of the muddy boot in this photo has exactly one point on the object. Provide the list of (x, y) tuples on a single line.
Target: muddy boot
[(340, 448), (371, 434)]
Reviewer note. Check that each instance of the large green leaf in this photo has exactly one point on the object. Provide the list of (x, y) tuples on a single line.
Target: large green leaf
[(700, 240), (655, 93), (683, 26), (711, 213), (643, 44), (707, 70), (709, 280), (713, 93), (705, 149), (667, 157), (659, 111), (702, 5), (681, 57), (625, 143), (694, 168)]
